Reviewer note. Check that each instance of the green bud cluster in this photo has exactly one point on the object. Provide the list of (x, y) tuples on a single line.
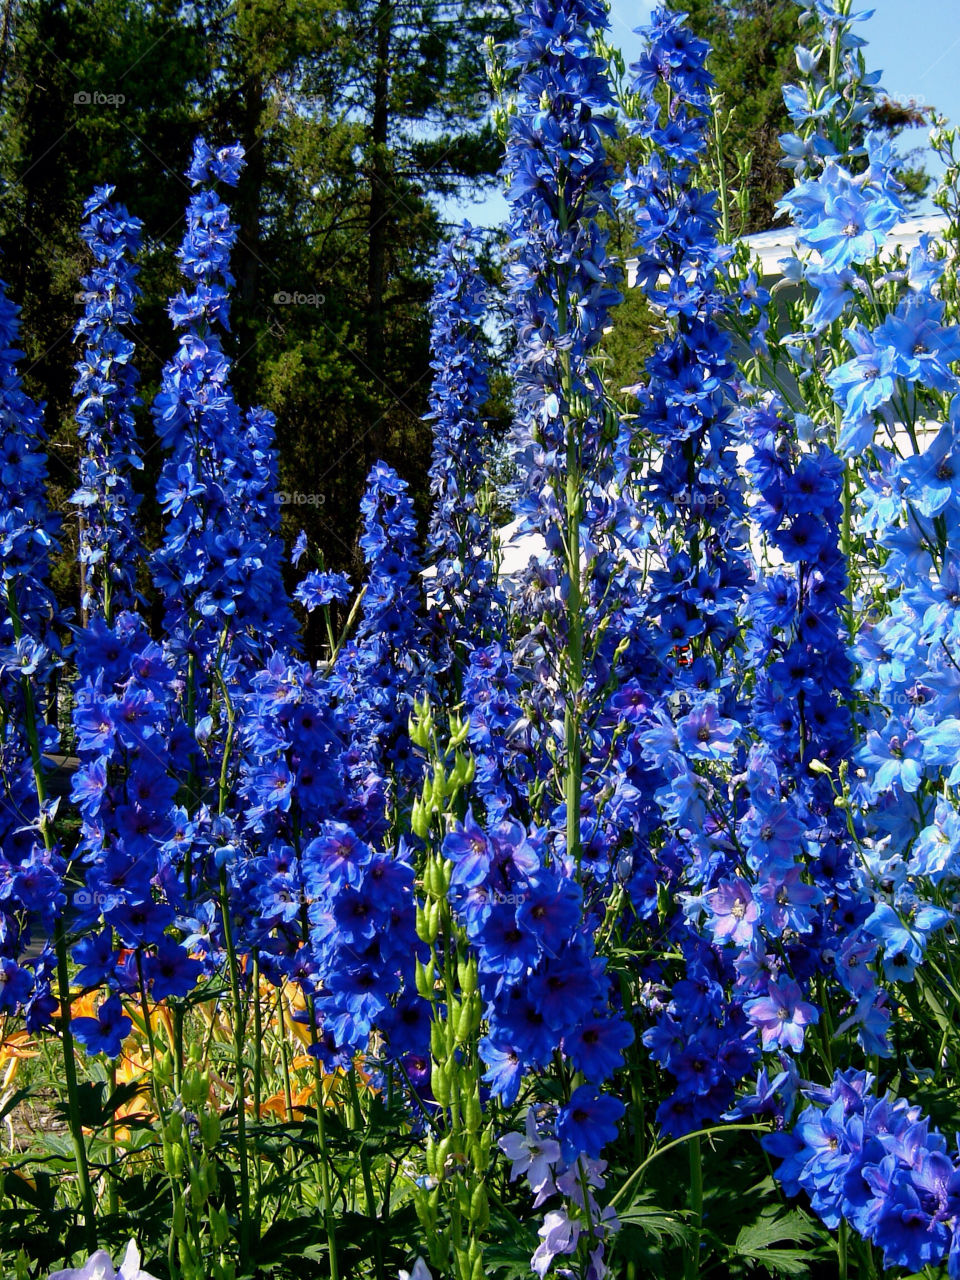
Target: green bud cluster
[(451, 1201), (201, 1228)]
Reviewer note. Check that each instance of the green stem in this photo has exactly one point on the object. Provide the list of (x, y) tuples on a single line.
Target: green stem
[(721, 177), (328, 1218), (364, 1157), (573, 779), (641, 1169), (113, 1197), (691, 1262), (348, 625), (238, 1038), (177, 1047), (70, 1079), (60, 947), (571, 719), (284, 1056), (842, 1250), (158, 1104), (257, 1092)]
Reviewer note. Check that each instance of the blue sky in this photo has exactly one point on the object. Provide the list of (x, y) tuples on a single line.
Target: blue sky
[(915, 43)]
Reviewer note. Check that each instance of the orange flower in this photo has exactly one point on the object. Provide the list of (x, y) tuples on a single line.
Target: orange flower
[(276, 1104), (13, 1049), (294, 1002)]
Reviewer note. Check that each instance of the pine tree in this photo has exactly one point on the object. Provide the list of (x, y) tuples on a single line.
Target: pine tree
[(752, 58), (357, 118)]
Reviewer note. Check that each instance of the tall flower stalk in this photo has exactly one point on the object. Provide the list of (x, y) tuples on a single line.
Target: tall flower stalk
[(562, 285), (460, 540), (33, 863), (106, 388)]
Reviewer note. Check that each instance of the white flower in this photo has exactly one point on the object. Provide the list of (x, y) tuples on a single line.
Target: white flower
[(100, 1267), (420, 1272), (130, 1267)]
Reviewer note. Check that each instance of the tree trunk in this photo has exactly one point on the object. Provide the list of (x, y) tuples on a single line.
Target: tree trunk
[(7, 22), (377, 219), (248, 205)]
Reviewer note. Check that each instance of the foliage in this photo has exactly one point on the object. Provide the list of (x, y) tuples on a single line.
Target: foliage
[(356, 120), (594, 919)]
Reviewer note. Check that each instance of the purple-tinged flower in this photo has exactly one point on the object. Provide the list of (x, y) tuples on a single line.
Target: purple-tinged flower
[(706, 735), (782, 1015), (558, 1236), (734, 912)]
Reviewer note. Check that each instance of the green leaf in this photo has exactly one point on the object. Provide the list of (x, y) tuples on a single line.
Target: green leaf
[(14, 1100), (761, 1242), (123, 1094), (39, 1191), (90, 1110), (659, 1223)]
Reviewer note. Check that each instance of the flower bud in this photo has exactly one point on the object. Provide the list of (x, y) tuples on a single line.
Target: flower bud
[(419, 819), (472, 1113), (439, 1083), (438, 1045), (467, 976), (466, 1021), (479, 1207), (209, 1128), (424, 978)]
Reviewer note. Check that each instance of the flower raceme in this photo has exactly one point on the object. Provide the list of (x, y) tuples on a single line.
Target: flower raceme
[(106, 387)]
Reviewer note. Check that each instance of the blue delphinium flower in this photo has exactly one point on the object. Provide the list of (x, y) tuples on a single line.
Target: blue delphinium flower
[(459, 544), (544, 990), (561, 285), (31, 865), (106, 387), (878, 1163), (506, 746), (379, 673), (529, 892), (685, 724), (844, 219), (107, 1031), (588, 1122), (219, 565), (153, 721)]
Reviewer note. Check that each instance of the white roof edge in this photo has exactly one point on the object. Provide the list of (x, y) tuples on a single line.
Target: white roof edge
[(772, 246)]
